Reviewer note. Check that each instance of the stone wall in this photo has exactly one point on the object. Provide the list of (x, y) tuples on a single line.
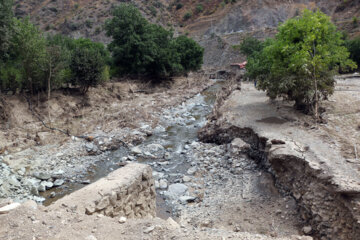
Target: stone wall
[(127, 192)]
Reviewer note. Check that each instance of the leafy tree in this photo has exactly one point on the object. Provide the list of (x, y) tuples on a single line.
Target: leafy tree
[(354, 48), (250, 46), (139, 47), (127, 28), (6, 20), (87, 67), (301, 61), (190, 52), (29, 48)]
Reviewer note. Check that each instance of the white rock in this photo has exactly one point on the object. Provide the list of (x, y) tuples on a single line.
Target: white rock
[(191, 171), (186, 179), (177, 189), (122, 220), (136, 150), (149, 229), (91, 237), (163, 184), (59, 182), (186, 199), (9, 207)]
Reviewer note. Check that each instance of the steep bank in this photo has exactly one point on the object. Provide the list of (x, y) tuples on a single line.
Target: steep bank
[(325, 186)]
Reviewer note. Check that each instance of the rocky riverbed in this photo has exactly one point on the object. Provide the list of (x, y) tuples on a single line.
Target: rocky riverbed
[(200, 185)]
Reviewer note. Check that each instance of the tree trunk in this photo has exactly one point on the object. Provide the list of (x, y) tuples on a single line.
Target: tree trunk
[(49, 81), (316, 100)]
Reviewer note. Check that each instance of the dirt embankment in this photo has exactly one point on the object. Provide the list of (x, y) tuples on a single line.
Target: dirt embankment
[(304, 162)]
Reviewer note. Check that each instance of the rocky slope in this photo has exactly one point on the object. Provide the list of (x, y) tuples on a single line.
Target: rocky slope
[(216, 25)]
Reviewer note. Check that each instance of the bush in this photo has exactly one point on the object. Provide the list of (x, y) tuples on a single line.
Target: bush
[(187, 16), (179, 6), (199, 8)]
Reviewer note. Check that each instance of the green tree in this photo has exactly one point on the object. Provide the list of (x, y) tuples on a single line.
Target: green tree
[(127, 28), (29, 48), (190, 52), (250, 46), (300, 62), (87, 67), (6, 22), (139, 47), (354, 48)]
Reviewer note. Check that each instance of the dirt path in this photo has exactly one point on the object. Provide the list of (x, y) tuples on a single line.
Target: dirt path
[(306, 159)]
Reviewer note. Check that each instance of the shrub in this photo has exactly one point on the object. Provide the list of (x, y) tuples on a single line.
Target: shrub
[(199, 8), (179, 6), (187, 16)]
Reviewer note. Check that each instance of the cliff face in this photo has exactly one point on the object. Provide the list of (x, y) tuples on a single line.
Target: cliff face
[(216, 25)]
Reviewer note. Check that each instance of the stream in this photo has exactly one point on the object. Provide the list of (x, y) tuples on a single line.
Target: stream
[(178, 128)]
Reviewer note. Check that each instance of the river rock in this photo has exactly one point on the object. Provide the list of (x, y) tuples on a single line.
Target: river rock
[(177, 189), (42, 175), (163, 184), (191, 171), (156, 149), (58, 182), (46, 185), (136, 150), (91, 147), (186, 179), (186, 199), (13, 181)]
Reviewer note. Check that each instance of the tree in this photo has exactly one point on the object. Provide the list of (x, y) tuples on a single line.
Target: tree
[(139, 47), (29, 48), (250, 46), (354, 48), (127, 28), (6, 20), (87, 67), (190, 52), (300, 62)]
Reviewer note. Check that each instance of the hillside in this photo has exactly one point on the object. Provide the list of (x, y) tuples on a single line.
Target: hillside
[(215, 24)]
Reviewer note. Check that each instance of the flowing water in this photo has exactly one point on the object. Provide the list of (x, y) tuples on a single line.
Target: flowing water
[(179, 127)]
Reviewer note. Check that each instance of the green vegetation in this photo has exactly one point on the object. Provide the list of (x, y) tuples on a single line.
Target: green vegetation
[(300, 62), (37, 63), (142, 48), (199, 8), (353, 47), (6, 16), (187, 16), (32, 62)]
